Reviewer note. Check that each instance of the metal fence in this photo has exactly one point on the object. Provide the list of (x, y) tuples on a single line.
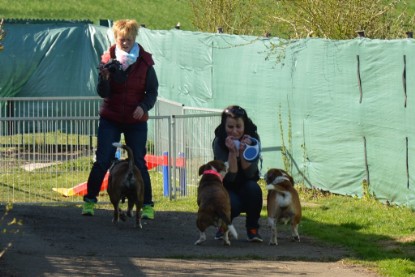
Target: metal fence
[(47, 147)]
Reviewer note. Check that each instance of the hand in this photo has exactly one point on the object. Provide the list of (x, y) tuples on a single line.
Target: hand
[(230, 144), (246, 140), (104, 72), (138, 113)]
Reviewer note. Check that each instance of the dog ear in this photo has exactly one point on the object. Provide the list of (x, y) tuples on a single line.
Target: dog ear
[(269, 176), (291, 179), (201, 169)]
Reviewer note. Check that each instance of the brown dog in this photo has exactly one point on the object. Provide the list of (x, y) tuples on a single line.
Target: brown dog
[(283, 203), (125, 181), (213, 201)]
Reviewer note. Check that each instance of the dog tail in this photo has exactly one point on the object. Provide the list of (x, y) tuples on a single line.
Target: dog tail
[(228, 222), (130, 154)]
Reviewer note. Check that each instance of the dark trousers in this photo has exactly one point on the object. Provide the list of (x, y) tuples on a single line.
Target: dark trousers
[(135, 136), (247, 199)]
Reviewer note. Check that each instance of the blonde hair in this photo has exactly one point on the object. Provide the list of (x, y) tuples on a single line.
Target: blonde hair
[(125, 27)]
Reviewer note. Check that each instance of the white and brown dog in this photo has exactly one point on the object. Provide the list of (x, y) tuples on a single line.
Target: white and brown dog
[(125, 181), (213, 201), (283, 203)]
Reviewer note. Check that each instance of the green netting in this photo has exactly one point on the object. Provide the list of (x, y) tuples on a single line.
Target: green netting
[(341, 133)]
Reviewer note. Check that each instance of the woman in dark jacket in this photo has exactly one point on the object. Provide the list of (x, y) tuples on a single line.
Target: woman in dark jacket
[(232, 136), (128, 83)]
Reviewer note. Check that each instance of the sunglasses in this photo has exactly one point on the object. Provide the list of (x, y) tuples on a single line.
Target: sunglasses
[(236, 111)]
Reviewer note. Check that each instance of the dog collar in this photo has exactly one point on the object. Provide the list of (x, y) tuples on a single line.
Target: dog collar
[(211, 171), (280, 179)]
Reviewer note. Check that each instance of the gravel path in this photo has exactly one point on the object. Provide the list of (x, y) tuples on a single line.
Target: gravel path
[(58, 241)]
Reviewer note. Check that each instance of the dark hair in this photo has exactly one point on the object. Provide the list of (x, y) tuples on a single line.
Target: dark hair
[(235, 112)]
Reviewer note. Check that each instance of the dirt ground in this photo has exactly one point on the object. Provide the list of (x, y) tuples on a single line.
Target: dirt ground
[(41, 240)]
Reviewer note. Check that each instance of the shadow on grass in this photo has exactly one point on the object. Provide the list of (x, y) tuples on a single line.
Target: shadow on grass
[(365, 247)]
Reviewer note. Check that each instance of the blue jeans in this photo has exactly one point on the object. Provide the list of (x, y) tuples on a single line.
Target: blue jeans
[(135, 136), (247, 199)]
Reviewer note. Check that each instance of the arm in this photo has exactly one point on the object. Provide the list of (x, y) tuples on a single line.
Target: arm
[(150, 97), (103, 86), (233, 154), (230, 156), (151, 90), (250, 169)]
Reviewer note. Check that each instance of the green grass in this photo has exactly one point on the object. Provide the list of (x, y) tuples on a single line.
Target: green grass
[(21, 186), (379, 236), (155, 14)]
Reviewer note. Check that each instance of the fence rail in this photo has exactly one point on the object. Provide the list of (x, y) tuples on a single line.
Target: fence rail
[(47, 147)]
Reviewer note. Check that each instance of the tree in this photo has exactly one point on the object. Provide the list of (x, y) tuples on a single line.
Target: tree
[(232, 16), (336, 19)]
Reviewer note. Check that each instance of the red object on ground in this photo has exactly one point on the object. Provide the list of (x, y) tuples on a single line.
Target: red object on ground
[(151, 160)]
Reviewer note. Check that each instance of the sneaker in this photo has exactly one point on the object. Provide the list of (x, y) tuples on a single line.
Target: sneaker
[(219, 234), (148, 212), (254, 236), (88, 208)]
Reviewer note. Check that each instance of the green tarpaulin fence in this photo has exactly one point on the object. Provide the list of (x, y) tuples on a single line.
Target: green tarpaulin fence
[(345, 108)]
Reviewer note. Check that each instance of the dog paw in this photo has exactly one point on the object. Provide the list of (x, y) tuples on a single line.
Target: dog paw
[(295, 238), (227, 242), (199, 242), (201, 239)]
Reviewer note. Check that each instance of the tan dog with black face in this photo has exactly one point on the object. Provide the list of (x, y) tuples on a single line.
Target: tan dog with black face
[(213, 201), (125, 181), (283, 203)]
